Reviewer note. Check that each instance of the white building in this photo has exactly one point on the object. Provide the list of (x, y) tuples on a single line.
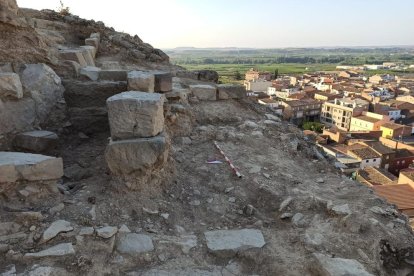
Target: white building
[(257, 85)]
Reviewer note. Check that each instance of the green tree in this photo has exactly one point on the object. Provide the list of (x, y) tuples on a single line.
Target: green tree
[(276, 73), (237, 75), (315, 126)]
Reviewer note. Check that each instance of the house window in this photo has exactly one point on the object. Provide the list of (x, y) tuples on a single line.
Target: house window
[(387, 157), (398, 162), (366, 161), (375, 159), (403, 162)]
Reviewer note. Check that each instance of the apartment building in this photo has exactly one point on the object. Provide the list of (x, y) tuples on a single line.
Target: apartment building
[(339, 112)]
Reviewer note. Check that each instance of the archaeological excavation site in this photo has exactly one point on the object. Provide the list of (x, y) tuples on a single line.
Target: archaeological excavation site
[(113, 161)]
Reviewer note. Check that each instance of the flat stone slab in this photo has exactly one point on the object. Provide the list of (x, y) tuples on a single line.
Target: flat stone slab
[(10, 86), (17, 166), (231, 91), (234, 240), (61, 249), (55, 228), (204, 92), (141, 81), (135, 114), (36, 141), (132, 243), (163, 81), (328, 266), (106, 232)]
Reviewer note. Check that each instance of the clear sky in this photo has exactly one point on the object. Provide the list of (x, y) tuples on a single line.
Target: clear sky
[(254, 23)]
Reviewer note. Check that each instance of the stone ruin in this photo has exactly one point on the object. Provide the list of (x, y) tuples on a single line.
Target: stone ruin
[(61, 218)]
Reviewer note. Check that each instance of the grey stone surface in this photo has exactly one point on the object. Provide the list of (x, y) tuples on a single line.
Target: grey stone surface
[(90, 72), (135, 114), (36, 141), (10, 86), (136, 156), (132, 243), (16, 166), (55, 228), (204, 92), (141, 81), (106, 232), (61, 249), (162, 81), (234, 240), (7, 228), (327, 266), (231, 91), (113, 75)]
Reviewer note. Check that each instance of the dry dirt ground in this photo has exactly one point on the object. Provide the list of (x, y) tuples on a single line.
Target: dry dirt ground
[(276, 163)]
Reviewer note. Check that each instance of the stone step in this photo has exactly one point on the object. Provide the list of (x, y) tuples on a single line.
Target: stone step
[(18, 166), (84, 94), (113, 75), (204, 92), (135, 114), (79, 55), (141, 81), (89, 119), (231, 91), (137, 160), (36, 141)]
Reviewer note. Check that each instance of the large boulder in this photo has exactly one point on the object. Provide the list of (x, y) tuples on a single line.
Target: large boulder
[(17, 166), (10, 86), (42, 84), (135, 114), (136, 161)]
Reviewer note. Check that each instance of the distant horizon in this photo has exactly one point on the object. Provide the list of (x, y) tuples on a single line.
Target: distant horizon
[(294, 47), (262, 24)]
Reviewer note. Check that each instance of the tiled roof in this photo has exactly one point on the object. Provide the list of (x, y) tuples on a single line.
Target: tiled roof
[(376, 176), (401, 195), (365, 153), (367, 119), (392, 125)]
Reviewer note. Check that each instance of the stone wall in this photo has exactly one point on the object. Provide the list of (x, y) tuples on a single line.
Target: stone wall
[(28, 96)]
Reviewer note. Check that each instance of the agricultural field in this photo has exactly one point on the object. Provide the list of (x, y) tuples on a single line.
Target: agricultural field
[(230, 63)]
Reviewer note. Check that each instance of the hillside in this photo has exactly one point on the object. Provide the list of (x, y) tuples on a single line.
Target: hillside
[(99, 179)]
